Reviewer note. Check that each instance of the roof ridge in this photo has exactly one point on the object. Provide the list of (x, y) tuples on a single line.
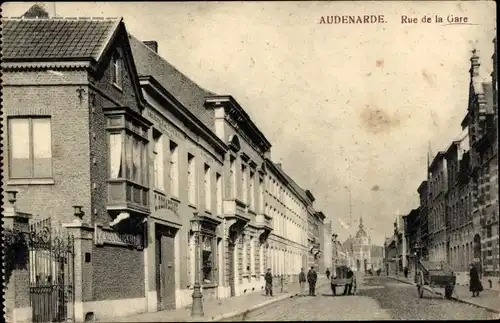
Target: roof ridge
[(62, 18)]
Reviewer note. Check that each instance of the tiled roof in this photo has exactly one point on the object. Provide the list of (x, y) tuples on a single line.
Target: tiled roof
[(187, 92), (56, 38)]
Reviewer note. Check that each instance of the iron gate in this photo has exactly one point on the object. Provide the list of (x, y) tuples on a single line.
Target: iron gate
[(51, 255)]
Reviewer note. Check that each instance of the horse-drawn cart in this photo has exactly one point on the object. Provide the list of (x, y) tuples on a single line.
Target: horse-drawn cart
[(435, 274), (341, 279)]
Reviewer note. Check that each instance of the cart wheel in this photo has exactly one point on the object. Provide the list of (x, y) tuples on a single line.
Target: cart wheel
[(448, 291), (420, 290), (420, 285)]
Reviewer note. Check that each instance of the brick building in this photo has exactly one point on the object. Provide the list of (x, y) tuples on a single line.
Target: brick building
[(479, 120), (437, 208), (67, 95), (459, 222), (423, 229)]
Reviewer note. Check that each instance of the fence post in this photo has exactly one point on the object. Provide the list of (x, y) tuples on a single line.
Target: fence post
[(83, 235), (17, 289)]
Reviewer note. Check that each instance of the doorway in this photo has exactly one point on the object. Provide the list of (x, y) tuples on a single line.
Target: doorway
[(230, 260), (165, 266)]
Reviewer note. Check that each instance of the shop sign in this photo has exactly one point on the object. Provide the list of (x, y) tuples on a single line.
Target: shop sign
[(105, 236)]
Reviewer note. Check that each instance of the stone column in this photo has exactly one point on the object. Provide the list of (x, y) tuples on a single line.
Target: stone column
[(17, 298), (83, 235)]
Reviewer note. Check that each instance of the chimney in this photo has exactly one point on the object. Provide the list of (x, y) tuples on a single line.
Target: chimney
[(152, 44), (38, 10), (474, 64)]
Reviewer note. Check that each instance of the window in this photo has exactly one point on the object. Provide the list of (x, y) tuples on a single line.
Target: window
[(244, 184), (159, 180), (261, 193), (218, 183), (208, 259), (191, 178), (208, 191), (128, 164), (232, 176), (117, 67), (244, 254), (252, 191), (30, 148), (174, 169)]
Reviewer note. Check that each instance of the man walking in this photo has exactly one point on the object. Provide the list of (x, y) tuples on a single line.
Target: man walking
[(328, 273), (312, 277), (302, 281), (268, 277), (348, 287)]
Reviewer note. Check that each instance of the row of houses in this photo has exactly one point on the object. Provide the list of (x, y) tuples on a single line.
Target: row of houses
[(145, 168), (457, 220)]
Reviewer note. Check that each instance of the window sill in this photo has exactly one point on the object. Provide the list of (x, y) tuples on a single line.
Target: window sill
[(209, 285), (175, 198), (192, 206), (31, 181)]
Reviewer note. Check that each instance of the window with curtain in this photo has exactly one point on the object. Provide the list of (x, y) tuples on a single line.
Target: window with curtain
[(232, 176), (174, 169), (159, 181), (208, 188), (191, 179), (252, 191), (133, 156), (30, 147), (244, 184), (218, 184)]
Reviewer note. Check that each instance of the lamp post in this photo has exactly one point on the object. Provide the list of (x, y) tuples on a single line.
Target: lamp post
[(197, 307)]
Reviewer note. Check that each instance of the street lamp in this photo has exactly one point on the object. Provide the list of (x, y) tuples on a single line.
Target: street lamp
[(197, 307)]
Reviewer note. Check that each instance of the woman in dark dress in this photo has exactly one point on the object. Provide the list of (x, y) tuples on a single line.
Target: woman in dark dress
[(475, 285)]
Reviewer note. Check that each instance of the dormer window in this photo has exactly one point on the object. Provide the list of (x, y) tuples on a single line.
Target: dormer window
[(117, 67)]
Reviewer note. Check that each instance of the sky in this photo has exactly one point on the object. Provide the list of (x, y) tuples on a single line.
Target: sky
[(372, 96)]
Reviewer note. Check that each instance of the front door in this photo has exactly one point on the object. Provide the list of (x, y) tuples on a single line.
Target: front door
[(165, 267), (230, 260)]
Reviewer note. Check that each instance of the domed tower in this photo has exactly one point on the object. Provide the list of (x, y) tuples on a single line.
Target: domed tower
[(361, 235), (363, 242)]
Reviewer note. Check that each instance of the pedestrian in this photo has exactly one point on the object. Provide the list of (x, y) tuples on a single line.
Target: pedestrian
[(475, 285), (405, 270), (268, 277), (348, 286), (312, 277), (302, 281), (327, 273)]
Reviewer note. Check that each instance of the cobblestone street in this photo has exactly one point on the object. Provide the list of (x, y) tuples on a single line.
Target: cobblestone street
[(378, 298)]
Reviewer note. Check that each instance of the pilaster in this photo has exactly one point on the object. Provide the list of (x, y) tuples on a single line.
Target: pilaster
[(83, 235)]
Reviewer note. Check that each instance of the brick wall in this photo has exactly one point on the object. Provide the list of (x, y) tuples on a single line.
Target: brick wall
[(119, 273), (70, 141)]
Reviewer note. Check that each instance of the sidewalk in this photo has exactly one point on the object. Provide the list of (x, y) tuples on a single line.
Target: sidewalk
[(488, 299), (218, 309)]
